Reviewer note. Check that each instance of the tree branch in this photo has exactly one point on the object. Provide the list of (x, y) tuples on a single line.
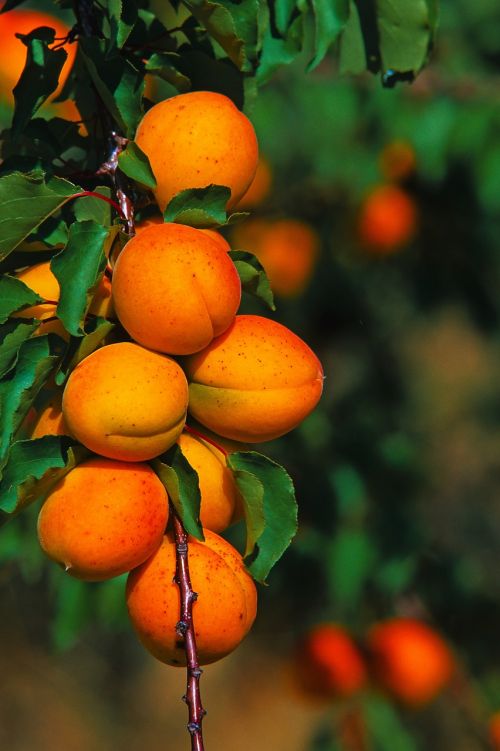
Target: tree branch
[(185, 629)]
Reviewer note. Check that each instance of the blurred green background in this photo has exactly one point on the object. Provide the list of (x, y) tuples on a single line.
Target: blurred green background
[(397, 471)]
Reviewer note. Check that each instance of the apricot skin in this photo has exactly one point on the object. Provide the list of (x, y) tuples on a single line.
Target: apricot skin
[(174, 289), (197, 139), (260, 186), (410, 660), (328, 663), (255, 382), (126, 402), (388, 220), (222, 614), (220, 503), (104, 518)]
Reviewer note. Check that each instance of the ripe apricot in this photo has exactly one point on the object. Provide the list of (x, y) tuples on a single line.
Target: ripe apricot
[(286, 248), (328, 663), (222, 614), (210, 232), (388, 219), (410, 660), (14, 51), (198, 139), (50, 420), (397, 160), (220, 505), (259, 187), (494, 731), (255, 382), (126, 402), (174, 288), (42, 280), (104, 518)]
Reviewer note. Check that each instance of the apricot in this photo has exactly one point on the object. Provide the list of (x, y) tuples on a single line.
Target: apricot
[(126, 402), (397, 160), (155, 220), (50, 420), (42, 280), (410, 660), (104, 518), (388, 219), (198, 139), (14, 51), (220, 502), (494, 731), (222, 614), (255, 382), (328, 663), (287, 249), (259, 187), (174, 289)]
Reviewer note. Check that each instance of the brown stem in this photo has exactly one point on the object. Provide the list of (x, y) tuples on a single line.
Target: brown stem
[(185, 629)]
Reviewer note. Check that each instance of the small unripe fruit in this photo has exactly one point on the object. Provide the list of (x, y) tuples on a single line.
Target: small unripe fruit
[(126, 402), (328, 663), (104, 518), (410, 660), (222, 614), (197, 139), (255, 382), (175, 288)]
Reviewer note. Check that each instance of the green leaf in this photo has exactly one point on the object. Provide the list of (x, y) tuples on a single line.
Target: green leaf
[(232, 25), (12, 335), (33, 467), (385, 726), (181, 483), (15, 295), (351, 557), (90, 207), (283, 11), (252, 493), (96, 330), (36, 358), (280, 508), (163, 65), (79, 269), (40, 76), (330, 19), (253, 276), (278, 51), (25, 202), (122, 16), (406, 32), (9, 4), (199, 207), (135, 164)]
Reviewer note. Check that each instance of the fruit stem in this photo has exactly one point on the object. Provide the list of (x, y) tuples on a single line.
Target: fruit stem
[(203, 437), (112, 203), (185, 630)]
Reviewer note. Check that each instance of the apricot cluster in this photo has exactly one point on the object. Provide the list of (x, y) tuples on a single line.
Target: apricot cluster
[(403, 656), (176, 293)]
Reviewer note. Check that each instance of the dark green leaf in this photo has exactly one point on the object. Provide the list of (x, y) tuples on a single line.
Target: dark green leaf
[(181, 482), (122, 15), (163, 65), (135, 164), (252, 493), (40, 76), (95, 331), (25, 202), (79, 269), (352, 53), (199, 207), (351, 557), (33, 467), (253, 276), (283, 11), (406, 33), (12, 335), (278, 51), (15, 295), (280, 508), (36, 358), (93, 208), (9, 4), (330, 19), (385, 726)]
